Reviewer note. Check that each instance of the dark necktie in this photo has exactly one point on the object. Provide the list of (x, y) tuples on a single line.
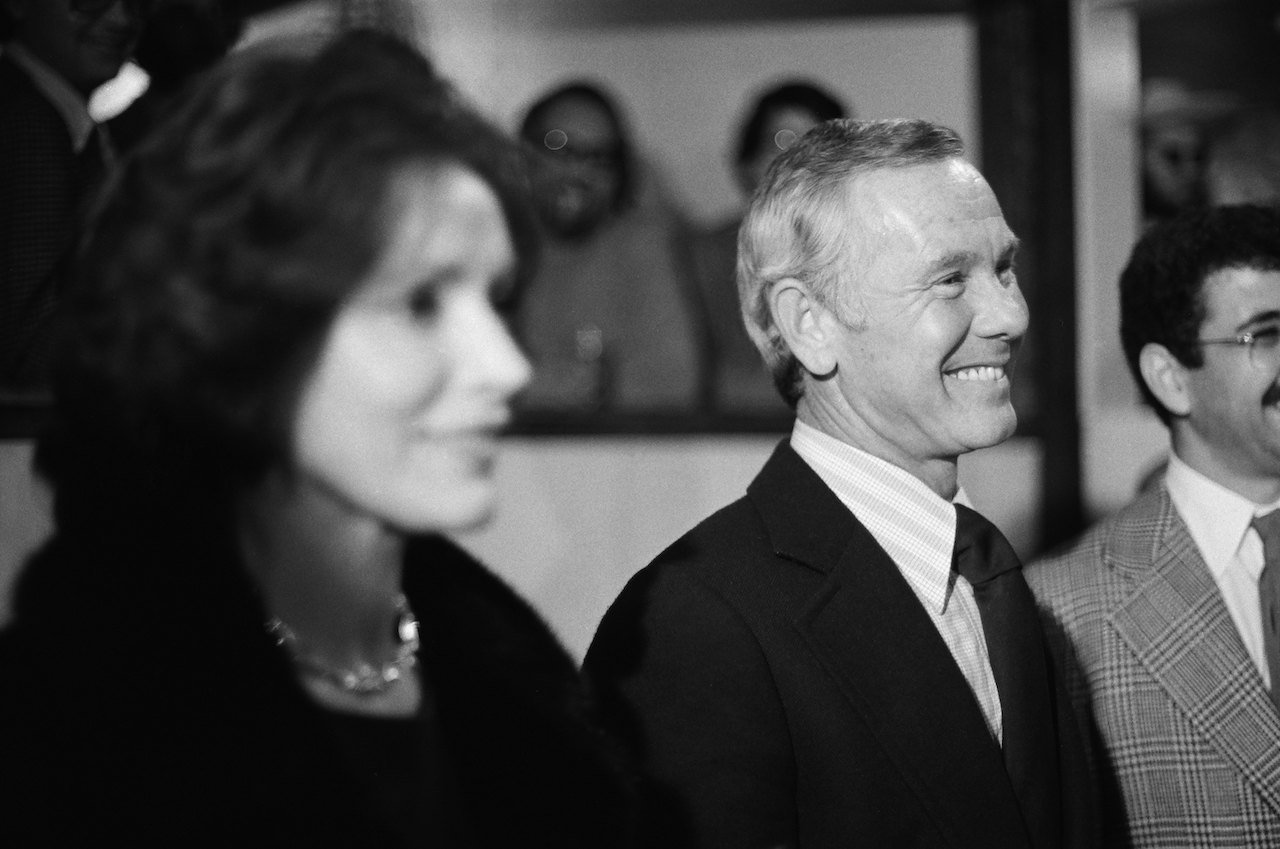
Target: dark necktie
[(1268, 528), (1016, 648)]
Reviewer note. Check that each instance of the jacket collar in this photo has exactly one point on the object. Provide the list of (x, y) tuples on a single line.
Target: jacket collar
[(1174, 620), (868, 629), (806, 522)]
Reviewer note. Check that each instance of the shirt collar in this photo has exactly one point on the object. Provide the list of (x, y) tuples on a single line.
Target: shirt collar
[(68, 102), (1217, 517), (914, 525)]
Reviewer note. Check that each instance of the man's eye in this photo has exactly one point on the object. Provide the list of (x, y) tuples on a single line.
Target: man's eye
[(1266, 337), (424, 303)]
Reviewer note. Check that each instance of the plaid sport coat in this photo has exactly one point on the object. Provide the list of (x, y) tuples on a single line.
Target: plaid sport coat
[(1186, 740)]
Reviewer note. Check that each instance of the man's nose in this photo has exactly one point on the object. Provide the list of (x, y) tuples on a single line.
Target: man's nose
[(1000, 310)]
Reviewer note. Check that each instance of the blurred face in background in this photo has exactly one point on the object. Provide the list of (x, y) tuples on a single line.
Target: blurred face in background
[(84, 41), (782, 128), (400, 420), (1173, 166), (578, 173)]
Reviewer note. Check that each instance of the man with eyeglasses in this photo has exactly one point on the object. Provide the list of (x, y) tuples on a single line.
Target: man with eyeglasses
[(52, 154), (1165, 616), (608, 320)]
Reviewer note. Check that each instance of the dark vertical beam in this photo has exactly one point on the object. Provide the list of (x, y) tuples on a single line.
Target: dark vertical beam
[(1024, 71)]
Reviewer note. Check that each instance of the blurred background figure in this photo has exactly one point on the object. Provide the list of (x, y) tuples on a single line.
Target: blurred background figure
[(1244, 159), (280, 387), (181, 39), (608, 320), (1176, 122), (740, 383), (394, 17), (52, 156)]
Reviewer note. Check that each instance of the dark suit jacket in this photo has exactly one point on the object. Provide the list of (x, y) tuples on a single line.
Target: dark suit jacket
[(784, 686), (38, 208), (1188, 740)]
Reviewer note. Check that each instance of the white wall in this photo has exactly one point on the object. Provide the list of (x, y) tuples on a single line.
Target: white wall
[(25, 513), (1120, 439), (580, 515), (684, 87)]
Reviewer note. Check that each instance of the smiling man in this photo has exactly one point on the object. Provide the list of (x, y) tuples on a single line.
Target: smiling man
[(849, 655), (1166, 615)]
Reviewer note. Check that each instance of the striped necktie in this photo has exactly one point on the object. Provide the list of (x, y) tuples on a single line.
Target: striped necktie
[(1268, 527)]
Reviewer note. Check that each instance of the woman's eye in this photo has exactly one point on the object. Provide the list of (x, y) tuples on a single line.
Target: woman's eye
[(502, 293), (1267, 337), (424, 303)]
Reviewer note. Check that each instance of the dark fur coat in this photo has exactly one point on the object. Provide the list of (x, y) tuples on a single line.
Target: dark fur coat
[(142, 704)]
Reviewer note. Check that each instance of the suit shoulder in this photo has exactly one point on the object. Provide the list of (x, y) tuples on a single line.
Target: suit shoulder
[(713, 572), (715, 550), (1099, 562)]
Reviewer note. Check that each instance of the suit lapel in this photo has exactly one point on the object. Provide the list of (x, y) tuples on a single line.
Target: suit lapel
[(1178, 626), (868, 629)]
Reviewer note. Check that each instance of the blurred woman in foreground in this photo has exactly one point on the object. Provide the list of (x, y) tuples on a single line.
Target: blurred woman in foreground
[(282, 381)]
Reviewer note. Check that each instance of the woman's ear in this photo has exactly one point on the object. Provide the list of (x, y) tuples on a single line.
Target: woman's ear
[(1166, 377), (806, 325)]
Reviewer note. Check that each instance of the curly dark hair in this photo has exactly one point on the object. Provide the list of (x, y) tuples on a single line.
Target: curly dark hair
[(1161, 288), (794, 94), (221, 253)]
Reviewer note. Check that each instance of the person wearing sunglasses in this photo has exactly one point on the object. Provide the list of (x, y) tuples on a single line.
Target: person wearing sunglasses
[(608, 320), (55, 54), (1164, 616)]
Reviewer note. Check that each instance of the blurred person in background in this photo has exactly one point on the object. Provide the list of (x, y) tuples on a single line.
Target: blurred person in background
[(777, 119), (52, 156), (1175, 125), (608, 321), (181, 39), (280, 386), (1243, 159)]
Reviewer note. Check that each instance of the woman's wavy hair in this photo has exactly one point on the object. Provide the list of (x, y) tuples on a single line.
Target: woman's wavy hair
[(221, 252)]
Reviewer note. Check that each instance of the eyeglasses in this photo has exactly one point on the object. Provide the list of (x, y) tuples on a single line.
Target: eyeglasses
[(94, 8), (1263, 344), (559, 144)]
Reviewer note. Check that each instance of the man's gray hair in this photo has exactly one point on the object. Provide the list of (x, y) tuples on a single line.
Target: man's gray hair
[(798, 224)]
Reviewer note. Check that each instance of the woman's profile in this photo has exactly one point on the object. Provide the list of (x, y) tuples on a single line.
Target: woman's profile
[(283, 373)]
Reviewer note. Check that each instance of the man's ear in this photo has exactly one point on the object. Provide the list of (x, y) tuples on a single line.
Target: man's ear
[(1165, 377), (808, 327)]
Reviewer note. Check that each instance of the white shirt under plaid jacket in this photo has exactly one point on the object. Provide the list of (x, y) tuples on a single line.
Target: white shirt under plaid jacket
[(1186, 739)]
